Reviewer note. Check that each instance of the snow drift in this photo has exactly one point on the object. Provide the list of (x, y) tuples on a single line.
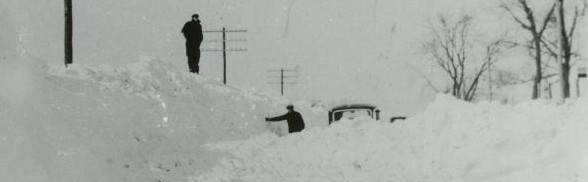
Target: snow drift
[(450, 141), (143, 122), (151, 122)]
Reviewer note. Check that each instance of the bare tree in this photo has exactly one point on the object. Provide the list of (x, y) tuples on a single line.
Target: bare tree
[(68, 33), (453, 49), (565, 34), (522, 14)]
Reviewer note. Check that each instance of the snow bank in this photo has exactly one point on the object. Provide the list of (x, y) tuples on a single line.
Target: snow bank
[(451, 141), (143, 122)]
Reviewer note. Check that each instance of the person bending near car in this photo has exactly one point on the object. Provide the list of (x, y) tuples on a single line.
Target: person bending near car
[(294, 119)]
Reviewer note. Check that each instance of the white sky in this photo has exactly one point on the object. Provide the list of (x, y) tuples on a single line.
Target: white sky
[(343, 49)]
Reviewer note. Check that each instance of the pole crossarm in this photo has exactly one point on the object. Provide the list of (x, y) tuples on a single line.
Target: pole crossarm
[(282, 77), (285, 76), (228, 50), (224, 50), (221, 31), (282, 82), (284, 70), (228, 40)]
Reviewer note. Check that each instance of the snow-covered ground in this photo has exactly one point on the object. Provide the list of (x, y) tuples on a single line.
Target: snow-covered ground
[(144, 122), (150, 122), (450, 141)]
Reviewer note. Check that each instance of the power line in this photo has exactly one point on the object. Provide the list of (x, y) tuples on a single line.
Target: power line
[(282, 83), (224, 32), (228, 40), (281, 70), (228, 50), (285, 76), (282, 77)]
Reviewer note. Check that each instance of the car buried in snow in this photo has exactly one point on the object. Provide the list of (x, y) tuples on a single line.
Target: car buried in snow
[(352, 111)]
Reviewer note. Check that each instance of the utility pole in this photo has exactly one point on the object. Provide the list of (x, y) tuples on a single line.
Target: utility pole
[(224, 55), (224, 32), (284, 74), (68, 47)]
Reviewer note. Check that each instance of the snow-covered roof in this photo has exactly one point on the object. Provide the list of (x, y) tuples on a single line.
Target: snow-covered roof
[(355, 106)]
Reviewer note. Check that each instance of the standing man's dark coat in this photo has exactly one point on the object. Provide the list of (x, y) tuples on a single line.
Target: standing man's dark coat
[(294, 119), (193, 33)]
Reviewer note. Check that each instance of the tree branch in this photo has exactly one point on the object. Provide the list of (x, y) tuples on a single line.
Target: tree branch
[(512, 14), (549, 46), (546, 20)]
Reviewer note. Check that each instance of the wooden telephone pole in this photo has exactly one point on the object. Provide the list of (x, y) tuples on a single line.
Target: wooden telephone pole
[(68, 33), (224, 32), (290, 74)]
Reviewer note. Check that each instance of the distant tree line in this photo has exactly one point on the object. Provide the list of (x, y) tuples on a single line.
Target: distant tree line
[(551, 27), (454, 49), (551, 35)]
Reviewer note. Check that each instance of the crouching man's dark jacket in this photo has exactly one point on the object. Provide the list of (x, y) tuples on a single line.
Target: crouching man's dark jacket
[(294, 119)]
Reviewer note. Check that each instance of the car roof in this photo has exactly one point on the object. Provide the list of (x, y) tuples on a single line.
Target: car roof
[(354, 106)]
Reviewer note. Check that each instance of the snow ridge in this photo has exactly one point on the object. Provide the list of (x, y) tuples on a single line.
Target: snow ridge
[(142, 122), (451, 141)]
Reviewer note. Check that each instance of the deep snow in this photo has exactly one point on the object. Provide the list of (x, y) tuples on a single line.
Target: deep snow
[(450, 141), (144, 122), (151, 122)]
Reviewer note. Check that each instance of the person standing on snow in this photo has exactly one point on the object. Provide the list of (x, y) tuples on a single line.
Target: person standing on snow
[(294, 119), (193, 33)]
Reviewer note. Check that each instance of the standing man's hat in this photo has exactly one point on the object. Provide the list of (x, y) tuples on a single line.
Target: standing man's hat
[(195, 15), (290, 106)]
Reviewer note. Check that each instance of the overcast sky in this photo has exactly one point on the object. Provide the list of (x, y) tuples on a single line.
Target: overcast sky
[(342, 49)]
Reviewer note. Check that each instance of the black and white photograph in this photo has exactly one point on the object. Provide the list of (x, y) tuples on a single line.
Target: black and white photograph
[(293, 91)]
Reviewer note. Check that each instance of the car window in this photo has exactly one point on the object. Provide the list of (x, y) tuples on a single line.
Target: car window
[(350, 114)]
